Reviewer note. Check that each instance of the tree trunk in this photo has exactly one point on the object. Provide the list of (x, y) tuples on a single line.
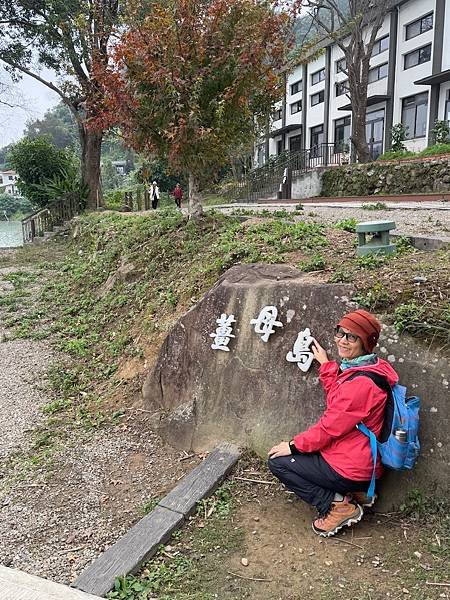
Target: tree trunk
[(358, 82), (195, 208), (91, 146), (359, 134)]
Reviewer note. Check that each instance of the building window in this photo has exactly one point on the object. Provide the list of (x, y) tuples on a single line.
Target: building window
[(296, 87), (378, 72), (417, 57), (296, 107), (414, 115), (341, 133), (381, 45), (419, 26), (317, 76), (341, 65), (317, 98), (316, 135), (341, 87), (295, 143), (276, 115)]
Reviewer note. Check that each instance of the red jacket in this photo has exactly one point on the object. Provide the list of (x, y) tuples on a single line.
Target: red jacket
[(177, 193), (334, 435)]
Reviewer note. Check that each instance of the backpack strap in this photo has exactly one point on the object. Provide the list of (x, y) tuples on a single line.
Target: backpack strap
[(378, 380), (374, 448), (382, 383)]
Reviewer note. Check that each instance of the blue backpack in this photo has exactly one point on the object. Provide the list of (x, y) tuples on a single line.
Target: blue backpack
[(401, 413)]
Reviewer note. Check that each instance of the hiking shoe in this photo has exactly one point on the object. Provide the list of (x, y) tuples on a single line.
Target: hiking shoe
[(340, 514), (363, 499)]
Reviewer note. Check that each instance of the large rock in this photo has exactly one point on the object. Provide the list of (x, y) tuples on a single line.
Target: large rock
[(253, 396)]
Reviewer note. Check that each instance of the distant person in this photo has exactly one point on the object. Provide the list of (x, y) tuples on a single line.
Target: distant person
[(154, 195), (177, 193)]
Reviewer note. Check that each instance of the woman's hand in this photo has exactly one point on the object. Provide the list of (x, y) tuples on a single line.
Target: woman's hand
[(281, 449), (319, 353)]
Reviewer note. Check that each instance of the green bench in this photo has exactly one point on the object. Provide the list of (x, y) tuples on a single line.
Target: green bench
[(374, 237)]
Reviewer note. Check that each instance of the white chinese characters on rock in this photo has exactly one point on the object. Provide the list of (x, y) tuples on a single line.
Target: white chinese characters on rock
[(266, 321), (301, 353), (223, 332)]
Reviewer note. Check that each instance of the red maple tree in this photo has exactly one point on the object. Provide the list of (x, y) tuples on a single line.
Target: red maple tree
[(192, 79)]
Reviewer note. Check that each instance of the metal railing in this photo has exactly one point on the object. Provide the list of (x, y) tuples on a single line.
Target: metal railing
[(46, 218), (274, 178)]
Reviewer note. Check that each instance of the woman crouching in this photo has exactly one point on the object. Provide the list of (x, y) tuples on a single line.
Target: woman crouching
[(330, 465)]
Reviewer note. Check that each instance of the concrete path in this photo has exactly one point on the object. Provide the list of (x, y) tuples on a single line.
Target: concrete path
[(17, 585)]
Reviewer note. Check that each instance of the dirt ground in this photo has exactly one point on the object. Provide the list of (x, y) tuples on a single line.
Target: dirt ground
[(266, 550)]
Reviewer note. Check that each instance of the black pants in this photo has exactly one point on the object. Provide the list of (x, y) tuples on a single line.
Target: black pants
[(154, 203), (313, 480), (178, 202)]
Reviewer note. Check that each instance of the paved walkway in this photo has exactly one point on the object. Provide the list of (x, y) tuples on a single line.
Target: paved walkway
[(17, 585)]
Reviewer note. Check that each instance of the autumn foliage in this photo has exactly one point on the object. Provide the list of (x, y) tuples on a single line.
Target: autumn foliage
[(190, 80)]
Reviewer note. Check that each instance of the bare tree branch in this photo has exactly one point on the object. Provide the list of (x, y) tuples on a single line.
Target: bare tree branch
[(354, 29)]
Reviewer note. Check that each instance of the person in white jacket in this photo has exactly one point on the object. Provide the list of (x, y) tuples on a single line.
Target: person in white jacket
[(154, 195)]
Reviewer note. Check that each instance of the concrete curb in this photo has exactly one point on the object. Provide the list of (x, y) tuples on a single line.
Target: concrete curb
[(17, 585), (423, 242), (143, 539)]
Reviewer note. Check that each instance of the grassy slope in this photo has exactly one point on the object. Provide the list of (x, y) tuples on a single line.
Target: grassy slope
[(102, 319), (107, 324)]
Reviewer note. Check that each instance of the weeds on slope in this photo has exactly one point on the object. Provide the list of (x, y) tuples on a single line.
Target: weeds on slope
[(126, 279)]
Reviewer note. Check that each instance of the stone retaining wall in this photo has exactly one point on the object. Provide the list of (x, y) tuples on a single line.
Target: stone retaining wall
[(394, 177)]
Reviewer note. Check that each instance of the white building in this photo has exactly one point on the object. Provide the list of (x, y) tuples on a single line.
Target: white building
[(8, 183), (409, 83)]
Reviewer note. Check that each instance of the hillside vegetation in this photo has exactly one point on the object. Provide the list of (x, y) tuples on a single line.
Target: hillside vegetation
[(126, 279)]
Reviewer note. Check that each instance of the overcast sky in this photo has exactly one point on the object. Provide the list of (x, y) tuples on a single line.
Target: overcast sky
[(34, 99)]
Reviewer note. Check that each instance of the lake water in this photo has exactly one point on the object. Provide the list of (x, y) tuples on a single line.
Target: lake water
[(11, 234)]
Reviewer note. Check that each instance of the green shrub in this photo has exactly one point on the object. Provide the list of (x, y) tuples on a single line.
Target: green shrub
[(315, 263), (403, 244), (397, 155), (37, 161), (113, 199), (371, 261), (374, 297), (375, 206), (408, 316), (398, 136), (347, 225), (441, 132)]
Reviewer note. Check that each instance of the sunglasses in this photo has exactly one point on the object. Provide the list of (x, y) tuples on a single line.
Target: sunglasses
[(340, 333)]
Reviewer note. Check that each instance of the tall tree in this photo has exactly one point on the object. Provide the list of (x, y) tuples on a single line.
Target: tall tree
[(71, 37), (189, 81), (353, 25), (58, 124)]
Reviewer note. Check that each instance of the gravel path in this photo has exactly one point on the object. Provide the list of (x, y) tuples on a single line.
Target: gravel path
[(412, 221), (22, 376), (60, 514), (56, 523)]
